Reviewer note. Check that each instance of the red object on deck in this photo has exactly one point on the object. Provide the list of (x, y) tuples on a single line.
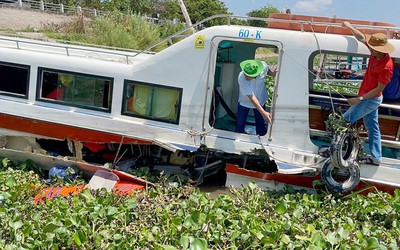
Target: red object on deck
[(125, 186), (325, 28), (51, 192)]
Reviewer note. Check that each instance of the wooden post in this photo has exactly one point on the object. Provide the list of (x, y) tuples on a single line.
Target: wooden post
[(186, 15)]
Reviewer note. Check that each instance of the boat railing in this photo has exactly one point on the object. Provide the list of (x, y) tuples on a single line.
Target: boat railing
[(384, 105), (394, 144), (230, 17), (328, 25), (72, 49)]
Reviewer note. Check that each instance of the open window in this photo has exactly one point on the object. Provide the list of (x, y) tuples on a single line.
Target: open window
[(226, 87)]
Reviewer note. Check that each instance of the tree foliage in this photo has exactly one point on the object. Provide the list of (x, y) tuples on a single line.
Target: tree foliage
[(263, 12), (137, 6), (200, 10)]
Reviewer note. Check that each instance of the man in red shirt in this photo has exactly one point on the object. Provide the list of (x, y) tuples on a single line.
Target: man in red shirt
[(366, 104)]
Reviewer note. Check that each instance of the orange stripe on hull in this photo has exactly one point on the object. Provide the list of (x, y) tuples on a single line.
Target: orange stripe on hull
[(304, 181), (61, 131)]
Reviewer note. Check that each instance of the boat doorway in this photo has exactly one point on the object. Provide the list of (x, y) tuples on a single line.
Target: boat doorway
[(226, 88)]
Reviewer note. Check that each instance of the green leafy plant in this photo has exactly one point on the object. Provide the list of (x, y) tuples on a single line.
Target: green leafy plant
[(336, 124), (174, 216)]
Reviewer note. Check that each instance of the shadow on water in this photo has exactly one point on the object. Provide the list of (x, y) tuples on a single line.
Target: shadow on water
[(215, 184)]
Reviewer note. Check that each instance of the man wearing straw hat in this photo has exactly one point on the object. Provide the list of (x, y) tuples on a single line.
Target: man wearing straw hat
[(253, 94), (369, 97)]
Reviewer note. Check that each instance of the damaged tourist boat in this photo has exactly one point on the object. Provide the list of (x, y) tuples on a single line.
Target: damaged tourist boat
[(176, 108)]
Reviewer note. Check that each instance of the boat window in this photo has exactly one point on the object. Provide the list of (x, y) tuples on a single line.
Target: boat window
[(153, 102), (338, 73), (337, 76), (75, 89), (333, 78), (14, 79)]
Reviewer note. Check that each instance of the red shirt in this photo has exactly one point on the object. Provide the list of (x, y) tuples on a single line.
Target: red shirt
[(378, 71), (56, 94)]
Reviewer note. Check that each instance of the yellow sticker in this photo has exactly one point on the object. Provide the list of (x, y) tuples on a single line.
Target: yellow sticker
[(199, 41), (248, 40)]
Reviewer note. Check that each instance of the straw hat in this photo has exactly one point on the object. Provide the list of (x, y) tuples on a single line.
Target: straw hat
[(379, 42)]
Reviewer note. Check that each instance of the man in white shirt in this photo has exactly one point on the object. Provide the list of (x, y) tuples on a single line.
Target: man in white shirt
[(253, 94)]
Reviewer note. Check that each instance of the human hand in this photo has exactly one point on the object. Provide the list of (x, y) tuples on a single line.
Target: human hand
[(267, 116), (272, 72), (346, 24), (353, 101)]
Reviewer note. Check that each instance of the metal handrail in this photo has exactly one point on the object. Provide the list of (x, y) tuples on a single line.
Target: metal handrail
[(384, 105), (68, 48)]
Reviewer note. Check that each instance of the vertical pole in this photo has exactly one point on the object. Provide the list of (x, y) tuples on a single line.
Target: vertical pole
[(20, 3), (41, 5), (62, 8), (185, 14)]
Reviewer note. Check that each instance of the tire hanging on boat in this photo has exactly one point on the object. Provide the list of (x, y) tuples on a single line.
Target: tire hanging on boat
[(344, 148), (348, 177)]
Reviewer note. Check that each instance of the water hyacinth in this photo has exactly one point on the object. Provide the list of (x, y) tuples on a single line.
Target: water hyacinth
[(179, 216)]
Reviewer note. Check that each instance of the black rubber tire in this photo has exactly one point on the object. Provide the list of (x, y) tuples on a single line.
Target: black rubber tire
[(344, 149), (353, 178)]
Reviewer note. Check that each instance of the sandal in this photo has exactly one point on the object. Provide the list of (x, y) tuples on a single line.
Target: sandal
[(368, 161)]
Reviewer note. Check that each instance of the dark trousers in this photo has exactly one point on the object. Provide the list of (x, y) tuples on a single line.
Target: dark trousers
[(242, 114)]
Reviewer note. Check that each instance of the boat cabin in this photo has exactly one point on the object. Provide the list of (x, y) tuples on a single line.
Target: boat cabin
[(178, 106)]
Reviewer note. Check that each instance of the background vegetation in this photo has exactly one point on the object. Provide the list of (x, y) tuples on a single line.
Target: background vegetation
[(127, 24), (116, 30)]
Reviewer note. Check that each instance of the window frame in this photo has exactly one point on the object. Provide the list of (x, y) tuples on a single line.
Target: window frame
[(64, 103), (311, 70), (125, 112), (23, 66)]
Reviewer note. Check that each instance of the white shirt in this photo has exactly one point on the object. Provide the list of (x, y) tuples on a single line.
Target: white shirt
[(255, 86)]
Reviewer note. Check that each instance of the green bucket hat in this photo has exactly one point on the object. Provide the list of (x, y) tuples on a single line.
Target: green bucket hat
[(252, 68)]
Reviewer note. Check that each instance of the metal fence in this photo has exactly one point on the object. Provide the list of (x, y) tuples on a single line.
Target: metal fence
[(63, 9), (53, 8)]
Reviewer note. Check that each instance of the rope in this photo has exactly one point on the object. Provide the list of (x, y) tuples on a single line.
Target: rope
[(329, 87)]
